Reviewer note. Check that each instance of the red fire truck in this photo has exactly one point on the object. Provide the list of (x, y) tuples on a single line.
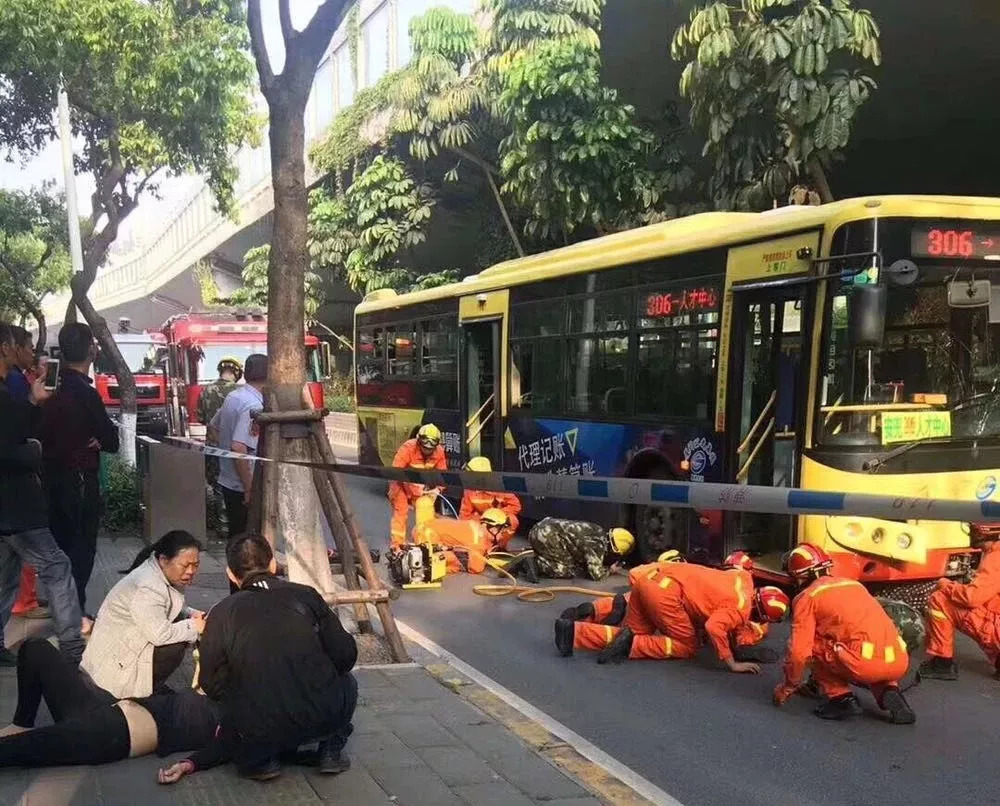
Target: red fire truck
[(198, 341), (145, 354)]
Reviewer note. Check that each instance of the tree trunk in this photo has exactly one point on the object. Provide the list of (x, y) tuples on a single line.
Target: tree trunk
[(819, 180)]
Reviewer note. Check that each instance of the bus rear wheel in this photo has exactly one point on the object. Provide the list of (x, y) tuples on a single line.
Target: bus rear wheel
[(915, 594), (658, 528)]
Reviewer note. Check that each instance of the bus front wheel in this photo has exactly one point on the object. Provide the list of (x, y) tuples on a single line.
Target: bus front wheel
[(658, 528)]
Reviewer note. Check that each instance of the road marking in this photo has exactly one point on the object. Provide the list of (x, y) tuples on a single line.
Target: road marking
[(589, 751)]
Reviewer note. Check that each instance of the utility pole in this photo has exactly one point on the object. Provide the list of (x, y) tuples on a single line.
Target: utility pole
[(69, 175)]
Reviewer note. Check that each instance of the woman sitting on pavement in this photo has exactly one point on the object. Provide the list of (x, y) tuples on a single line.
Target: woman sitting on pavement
[(143, 628), (90, 727)]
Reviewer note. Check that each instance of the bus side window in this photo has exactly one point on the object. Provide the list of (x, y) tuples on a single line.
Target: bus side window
[(537, 367)]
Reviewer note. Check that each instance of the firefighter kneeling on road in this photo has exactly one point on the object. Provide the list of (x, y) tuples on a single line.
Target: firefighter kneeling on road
[(475, 503), (424, 452), (671, 602), (973, 609), (848, 638), (467, 543), (566, 549)]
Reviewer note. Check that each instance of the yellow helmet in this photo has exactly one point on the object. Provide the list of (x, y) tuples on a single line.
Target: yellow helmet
[(671, 556), (480, 464), (622, 541), (231, 363), (495, 518), (429, 436)]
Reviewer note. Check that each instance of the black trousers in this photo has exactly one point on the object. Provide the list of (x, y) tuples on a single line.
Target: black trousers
[(236, 515), (44, 673), (74, 498), (99, 736)]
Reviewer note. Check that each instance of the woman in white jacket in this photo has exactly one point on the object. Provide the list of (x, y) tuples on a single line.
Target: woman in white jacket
[(143, 627)]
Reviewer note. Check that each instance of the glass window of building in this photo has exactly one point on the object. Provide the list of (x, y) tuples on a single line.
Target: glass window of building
[(375, 35)]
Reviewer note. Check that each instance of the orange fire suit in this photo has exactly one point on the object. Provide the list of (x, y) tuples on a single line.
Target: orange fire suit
[(476, 502), (672, 603), (401, 495), (469, 536), (973, 609), (847, 636)]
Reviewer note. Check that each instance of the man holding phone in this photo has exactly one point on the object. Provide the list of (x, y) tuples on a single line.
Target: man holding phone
[(24, 531)]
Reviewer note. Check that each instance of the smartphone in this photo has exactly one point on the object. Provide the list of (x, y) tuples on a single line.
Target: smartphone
[(51, 374)]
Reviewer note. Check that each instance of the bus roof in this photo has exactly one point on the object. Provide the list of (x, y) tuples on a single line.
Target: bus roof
[(688, 234), (139, 338)]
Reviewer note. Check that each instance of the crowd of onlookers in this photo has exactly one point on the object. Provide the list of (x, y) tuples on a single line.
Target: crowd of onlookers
[(272, 682)]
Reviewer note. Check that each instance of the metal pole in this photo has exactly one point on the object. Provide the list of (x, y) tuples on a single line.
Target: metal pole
[(72, 212)]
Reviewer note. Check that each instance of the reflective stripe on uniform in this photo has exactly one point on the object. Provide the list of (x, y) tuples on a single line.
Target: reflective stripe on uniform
[(902, 644), (668, 645), (609, 633), (843, 583), (867, 650), (938, 614), (651, 575), (741, 599), (665, 582), (757, 628), (889, 653)]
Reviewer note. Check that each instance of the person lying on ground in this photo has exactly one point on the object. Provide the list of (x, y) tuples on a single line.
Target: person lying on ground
[(90, 726), (143, 628), (277, 658), (565, 549)]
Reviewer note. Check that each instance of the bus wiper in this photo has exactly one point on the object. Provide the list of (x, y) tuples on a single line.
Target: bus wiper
[(874, 464)]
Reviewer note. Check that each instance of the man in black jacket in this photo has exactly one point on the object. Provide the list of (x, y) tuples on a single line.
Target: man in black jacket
[(75, 429), (277, 658), (24, 531)]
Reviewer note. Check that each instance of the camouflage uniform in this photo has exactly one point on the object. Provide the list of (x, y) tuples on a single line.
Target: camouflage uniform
[(565, 549), (209, 403), (908, 621)]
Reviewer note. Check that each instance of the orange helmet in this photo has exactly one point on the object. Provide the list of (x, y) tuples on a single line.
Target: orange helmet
[(806, 559), (771, 603), (738, 559)]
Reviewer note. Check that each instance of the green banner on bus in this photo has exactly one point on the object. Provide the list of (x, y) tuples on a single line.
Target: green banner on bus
[(907, 426)]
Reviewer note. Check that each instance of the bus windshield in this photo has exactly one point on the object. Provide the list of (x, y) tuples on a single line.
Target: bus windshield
[(143, 358), (935, 376), (209, 355)]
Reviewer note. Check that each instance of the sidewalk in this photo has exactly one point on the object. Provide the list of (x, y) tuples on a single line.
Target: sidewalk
[(419, 740)]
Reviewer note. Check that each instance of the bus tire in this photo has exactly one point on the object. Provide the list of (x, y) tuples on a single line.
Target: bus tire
[(656, 527), (915, 594)]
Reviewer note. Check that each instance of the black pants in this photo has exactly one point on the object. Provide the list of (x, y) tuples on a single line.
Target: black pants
[(43, 673), (99, 736), (236, 515), (74, 516), (166, 660)]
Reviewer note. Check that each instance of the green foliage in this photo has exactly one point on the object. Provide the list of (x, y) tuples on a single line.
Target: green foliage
[(519, 26), (575, 157), (122, 497), (34, 260), (338, 392), (775, 86), (253, 294)]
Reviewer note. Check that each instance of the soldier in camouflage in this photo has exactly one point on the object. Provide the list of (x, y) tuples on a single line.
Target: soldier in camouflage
[(565, 549), (230, 371)]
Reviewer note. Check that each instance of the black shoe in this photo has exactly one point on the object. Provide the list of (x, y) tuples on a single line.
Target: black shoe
[(331, 760), (267, 771), (7, 658), (617, 614), (899, 709), (619, 648), (839, 708), (810, 689), (935, 668), (581, 612), (565, 632)]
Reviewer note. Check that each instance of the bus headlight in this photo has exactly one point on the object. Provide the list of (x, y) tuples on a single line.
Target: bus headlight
[(904, 541)]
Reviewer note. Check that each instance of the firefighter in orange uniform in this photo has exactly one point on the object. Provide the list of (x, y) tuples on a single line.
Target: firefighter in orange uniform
[(973, 609), (670, 604), (842, 631), (468, 543), (476, 502), (424, 452)]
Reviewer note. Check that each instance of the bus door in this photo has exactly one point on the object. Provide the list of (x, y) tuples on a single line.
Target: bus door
[(764, 405), (483, 330)]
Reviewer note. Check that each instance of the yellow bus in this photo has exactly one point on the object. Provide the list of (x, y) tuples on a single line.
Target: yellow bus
[(850, 347)]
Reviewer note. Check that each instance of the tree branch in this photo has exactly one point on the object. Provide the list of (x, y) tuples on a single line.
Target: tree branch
[(311, 42), (259, 47), (287, 29)]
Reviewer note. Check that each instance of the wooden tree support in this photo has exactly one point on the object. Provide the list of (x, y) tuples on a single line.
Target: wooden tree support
[(278, 427)]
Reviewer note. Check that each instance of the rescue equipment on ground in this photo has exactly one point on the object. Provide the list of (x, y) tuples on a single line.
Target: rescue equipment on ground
[(417, 567)]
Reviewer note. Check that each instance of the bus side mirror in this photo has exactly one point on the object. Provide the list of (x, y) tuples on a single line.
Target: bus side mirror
[(866, 315)]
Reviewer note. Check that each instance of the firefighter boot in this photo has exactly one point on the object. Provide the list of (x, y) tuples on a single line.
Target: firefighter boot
[(935, 668), (619, 648), (581, 612), (899, 709), (564, 636), (617, 614), (842, 707)]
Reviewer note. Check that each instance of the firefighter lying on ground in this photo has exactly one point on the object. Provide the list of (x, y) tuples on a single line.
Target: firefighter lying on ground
[(669, 605), (475, 503), (566, 549), (424, 452), (973, 609), (842, 631), (467, 542)]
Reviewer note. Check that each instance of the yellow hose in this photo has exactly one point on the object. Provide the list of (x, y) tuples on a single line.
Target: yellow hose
[(527, 593)]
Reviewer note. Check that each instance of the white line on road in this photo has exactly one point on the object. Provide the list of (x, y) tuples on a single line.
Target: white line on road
[(589, 751)]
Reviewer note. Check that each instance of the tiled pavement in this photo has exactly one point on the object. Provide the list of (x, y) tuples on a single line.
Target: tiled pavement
[(418, 741)]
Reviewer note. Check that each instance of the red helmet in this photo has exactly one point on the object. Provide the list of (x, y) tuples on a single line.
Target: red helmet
[(806, 559), (772, 603), (738, 559)]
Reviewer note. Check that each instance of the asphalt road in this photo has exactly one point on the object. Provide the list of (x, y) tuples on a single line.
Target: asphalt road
[(707, 737)]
